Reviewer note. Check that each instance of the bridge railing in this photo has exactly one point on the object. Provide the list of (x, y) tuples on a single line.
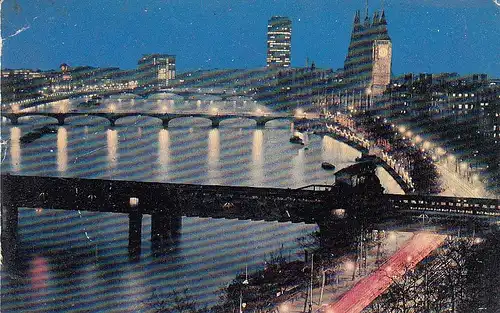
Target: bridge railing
[(472, 206), (316, 187)]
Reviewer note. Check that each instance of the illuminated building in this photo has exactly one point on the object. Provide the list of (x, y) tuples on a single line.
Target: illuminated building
[(279, 41), (156, 70), (367, 67)]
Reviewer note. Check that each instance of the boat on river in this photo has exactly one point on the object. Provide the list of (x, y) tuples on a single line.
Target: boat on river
[(37, 133), (296, 139), (328, 166), (94, 100)]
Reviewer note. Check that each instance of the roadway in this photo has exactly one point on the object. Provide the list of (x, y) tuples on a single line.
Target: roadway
[(369, 288)]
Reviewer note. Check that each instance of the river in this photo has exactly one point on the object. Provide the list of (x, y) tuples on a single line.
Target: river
[(78, 261)]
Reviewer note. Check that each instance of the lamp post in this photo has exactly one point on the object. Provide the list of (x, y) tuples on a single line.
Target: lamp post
[(244, 283)]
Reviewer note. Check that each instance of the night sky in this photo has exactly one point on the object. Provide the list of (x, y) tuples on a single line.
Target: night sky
[(428, 35)]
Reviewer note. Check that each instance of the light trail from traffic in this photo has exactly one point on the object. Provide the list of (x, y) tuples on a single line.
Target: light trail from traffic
[(368, 289)]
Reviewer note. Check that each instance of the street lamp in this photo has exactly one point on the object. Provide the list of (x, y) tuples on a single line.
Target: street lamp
[(245, 282), (463, 168)]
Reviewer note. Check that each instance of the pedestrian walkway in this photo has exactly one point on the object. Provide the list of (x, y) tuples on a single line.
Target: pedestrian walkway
[(456, 186), (343, 280)]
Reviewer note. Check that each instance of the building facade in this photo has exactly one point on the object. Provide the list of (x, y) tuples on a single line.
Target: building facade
[(367, 67), (279, 42), (156, 70)]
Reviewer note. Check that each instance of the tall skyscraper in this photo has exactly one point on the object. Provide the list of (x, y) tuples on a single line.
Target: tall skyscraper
[(279, 41), (367, 67), (156, 70)]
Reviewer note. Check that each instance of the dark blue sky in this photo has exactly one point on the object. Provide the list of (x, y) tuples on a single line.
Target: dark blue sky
[(428, 35)]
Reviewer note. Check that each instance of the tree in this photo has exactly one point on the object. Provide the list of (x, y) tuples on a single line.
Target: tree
[(174, 302)]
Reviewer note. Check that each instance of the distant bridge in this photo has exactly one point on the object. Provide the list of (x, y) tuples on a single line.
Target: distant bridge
[(167, 202), (142, 93), (112, 117)]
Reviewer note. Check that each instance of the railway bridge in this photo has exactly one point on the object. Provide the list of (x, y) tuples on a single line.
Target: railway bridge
[(167, 203)]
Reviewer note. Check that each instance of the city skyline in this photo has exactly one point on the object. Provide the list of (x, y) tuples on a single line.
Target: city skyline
[(209, 34)]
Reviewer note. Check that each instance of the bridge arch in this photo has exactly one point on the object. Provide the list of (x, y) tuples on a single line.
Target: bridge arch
[(82, 119), (138, 119), (274, 121), (242, 121), (164, 96), (27, 116), (123, 96), (189, 121)]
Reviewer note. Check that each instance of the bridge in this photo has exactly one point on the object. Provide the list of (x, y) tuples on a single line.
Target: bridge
[(141, 93), (480, 207), (167, 203), (112, 117)]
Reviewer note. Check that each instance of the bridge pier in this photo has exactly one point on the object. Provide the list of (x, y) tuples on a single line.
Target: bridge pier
[(165, 123), (165, 231), (14, 120), (9, 242), (261, 124), (134, 236), (60, 120), (112, 122), (215, 123)]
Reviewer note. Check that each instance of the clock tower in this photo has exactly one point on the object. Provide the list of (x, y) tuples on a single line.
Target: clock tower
[(367, 67), (381, 72)]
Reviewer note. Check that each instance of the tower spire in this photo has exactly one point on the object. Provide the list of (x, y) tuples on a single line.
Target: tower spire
[(356, 17), (382, 18), (367, 17), (375, 18)]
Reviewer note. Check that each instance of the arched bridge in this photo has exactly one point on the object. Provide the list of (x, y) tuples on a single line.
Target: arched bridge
[(112, 117)]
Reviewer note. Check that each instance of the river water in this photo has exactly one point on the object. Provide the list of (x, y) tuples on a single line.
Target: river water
[(78, 261)]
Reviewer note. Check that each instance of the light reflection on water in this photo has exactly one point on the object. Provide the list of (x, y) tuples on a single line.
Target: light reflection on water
[(76, 257)]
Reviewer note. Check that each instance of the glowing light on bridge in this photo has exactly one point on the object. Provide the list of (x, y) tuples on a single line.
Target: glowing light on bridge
[(134, 202), (299, 113), (402, 129), (15, 108)]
